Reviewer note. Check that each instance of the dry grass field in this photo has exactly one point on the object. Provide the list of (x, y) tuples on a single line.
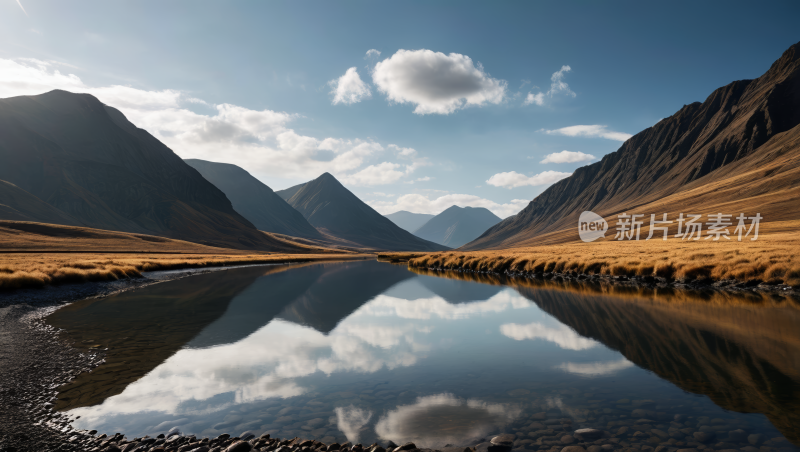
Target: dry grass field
[(37, 254), (773, 258)]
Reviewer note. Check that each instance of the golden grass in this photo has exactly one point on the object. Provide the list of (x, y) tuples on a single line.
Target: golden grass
[(27, 270), (773, 258)]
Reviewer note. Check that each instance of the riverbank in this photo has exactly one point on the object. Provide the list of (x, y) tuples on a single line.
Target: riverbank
[(38, 270), (35, 360), (771, 263)]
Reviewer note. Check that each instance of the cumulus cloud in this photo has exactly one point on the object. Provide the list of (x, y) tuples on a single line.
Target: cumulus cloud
[(380, 174), (596, 368), (372, 52), (349, 88), (422, 204), (590, 131), (561, 335), (261, 141), (351, 421), (567, 157), (441, 419), (435, 82), (537, 99), (513, 179), (404, 152), (557, 86)]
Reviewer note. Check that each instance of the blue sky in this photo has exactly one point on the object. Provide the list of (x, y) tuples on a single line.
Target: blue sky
[(445, 122)]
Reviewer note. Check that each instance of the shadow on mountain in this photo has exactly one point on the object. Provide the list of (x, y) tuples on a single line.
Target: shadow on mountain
[(743, 357)]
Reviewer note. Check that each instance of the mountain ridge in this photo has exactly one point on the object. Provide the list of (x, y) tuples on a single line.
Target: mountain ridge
[(456, 226), (254, 200), (734, 128), (88, 161), (408, 220), (335, 210)]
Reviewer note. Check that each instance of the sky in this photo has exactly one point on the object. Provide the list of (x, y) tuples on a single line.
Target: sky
[(412, 105)]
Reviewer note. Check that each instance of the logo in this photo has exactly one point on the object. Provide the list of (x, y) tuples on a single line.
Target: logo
[(591, 226)]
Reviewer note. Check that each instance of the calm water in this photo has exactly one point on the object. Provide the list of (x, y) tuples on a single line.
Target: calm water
[(365, 351)]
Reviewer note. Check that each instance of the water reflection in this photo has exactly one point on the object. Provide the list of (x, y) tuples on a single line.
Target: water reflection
[(363, 351)]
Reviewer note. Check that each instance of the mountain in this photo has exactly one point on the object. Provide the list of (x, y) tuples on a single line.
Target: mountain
[(88, 161), (18, 205), (738, 151), (334, 210), (408, 220), (287, 193), (254, 200), (457, 225)]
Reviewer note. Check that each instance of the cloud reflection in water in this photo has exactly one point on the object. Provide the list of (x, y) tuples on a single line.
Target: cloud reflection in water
[(437, 420)]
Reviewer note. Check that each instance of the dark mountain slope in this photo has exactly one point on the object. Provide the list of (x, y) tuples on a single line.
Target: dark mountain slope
[(85, 159), (287, 193), (333, 209), (408, 220), (18, 205), (254, 200), (457, 225), (727, 136)]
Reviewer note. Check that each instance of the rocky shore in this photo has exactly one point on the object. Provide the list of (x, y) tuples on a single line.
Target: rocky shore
[(35, 361)]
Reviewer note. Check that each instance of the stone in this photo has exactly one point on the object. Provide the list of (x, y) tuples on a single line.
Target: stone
[(588, 434), (173, 431), (247, 436), (703, 437), (643, 413), (239, 446), (506, 439), (660, 433), (407, 446), (567, 439), (201, 449), (755, 439)]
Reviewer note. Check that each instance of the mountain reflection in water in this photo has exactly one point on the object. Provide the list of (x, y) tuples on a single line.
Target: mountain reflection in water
[(362, 351)]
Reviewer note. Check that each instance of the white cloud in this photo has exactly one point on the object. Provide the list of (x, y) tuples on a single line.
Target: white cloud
[(436, 307), (349, 88), (537, 99), (567, 157), (380, 174), (596, 368), (437, 420), (260, 141), (403, 152), (557, 85), (372, 52), (514, 179), (435, 82), (422, 204), (351, 421), (560, 335), (590, 131)]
